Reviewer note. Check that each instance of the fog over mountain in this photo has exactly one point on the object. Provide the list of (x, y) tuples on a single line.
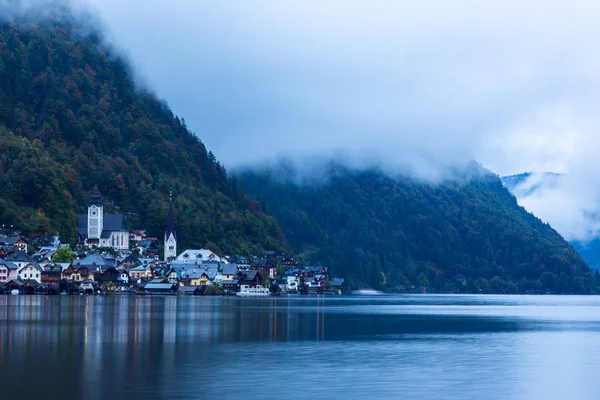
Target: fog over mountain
[(570, 203), (406, 85), (414, 88)]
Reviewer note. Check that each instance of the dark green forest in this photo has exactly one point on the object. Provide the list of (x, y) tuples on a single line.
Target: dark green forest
[(72, 117), (466, 235)]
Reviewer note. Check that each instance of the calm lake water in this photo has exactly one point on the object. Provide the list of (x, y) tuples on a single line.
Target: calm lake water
[(380, 347)]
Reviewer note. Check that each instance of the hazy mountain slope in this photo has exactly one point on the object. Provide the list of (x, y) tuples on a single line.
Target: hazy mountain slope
[(528, 184), (392, 233), (74, 118)]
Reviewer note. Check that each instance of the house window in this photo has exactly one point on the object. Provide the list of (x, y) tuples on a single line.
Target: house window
[(171, 248)]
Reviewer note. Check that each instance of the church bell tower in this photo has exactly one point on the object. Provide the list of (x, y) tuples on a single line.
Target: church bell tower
[(95, 215), (170, 236)]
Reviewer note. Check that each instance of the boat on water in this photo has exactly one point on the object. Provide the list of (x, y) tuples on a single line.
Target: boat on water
[(367, 292), (253, 291)]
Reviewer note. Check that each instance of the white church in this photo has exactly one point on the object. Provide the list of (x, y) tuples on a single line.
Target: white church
[(97, 229)]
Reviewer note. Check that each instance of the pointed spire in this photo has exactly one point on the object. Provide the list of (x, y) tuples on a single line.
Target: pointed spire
[(95, 197), (170, 220)]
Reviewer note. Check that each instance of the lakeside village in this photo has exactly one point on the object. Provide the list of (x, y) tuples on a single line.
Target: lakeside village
[(137, 269)]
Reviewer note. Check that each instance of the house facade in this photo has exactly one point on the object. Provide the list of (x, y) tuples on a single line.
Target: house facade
[(30, 271), (198, 256), (52, 273), (20, 258), (8, 271), (15, 243)]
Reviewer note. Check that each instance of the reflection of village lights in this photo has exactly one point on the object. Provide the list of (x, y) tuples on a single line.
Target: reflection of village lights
[(320, 317), (274, 320)]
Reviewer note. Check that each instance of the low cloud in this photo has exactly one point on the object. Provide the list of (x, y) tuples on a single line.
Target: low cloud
[(414, 87), (399, 83)]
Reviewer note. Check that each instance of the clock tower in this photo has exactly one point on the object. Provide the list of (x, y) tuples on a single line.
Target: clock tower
[(95, 215)]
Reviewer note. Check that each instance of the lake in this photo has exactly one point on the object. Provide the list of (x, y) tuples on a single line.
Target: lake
[(377, 347)]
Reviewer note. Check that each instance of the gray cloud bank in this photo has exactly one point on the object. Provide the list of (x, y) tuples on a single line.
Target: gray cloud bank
[(400, 83), (411, 86)]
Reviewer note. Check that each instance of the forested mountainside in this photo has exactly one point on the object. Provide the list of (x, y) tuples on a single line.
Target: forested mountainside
[(395, 233), (72, 118)]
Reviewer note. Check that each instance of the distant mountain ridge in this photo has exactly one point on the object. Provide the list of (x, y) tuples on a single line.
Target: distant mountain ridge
[(397, 233)]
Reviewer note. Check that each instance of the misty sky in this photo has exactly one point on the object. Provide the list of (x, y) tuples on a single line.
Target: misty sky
[(411, 85)]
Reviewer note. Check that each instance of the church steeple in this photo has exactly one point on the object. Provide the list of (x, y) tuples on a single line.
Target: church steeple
[(170, 236), (170, 222), (95, 197), (95, 215)]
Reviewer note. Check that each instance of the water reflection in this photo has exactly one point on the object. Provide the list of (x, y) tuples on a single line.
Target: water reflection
[(191, 347)]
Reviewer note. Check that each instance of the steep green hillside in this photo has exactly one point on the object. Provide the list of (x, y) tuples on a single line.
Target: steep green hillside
[(395, 233), (73, 118)]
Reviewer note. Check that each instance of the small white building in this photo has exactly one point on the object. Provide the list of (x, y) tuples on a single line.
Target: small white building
[(202, 255), (30, 271)]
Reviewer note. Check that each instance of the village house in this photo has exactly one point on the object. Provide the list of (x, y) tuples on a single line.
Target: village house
[(15, 243), (148, 247), (288, 262), (124, 278), (44, 255), (4, 251), (131, 261), (172, 276), (137, 236), (194, 277), (141, 271), (94, 262), (192, 256), (19, 257), (30, 271), (14, 286), (267, 268), (243, 263), (229, 271), (192, 290), (70, 274), (52, 273), (160, 288), (250, 279), (52, 242), (97, 229), (87, 287), (8, 271), (110, 274)]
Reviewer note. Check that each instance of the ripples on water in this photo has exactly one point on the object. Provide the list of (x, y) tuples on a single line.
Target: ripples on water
[(403, 346)]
